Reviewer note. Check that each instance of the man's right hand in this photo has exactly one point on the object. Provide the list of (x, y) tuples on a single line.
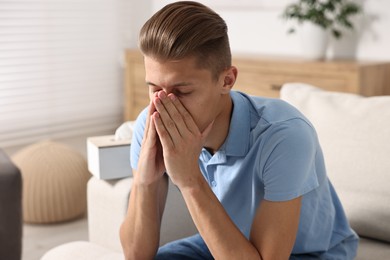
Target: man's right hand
[(151, 166)]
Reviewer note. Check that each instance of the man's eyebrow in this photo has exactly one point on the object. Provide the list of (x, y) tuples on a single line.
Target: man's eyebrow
[(179, 84), (148, 83)]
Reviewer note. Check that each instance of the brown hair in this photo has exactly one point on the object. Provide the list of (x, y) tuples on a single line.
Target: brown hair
[(183, 29)]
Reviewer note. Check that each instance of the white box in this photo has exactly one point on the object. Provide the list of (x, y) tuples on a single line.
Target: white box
[(108, 158)]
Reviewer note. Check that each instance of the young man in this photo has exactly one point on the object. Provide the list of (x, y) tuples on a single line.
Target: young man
[(250, 169)]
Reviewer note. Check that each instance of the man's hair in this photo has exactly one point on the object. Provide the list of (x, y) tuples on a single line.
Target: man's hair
[(184, 29)]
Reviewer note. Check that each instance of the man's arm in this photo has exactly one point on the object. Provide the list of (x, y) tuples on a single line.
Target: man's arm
[(275, 227), (140, 231), (273, 230)]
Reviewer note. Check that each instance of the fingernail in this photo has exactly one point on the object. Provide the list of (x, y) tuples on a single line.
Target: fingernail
[(157, 100), (162, 94), (172, 97)]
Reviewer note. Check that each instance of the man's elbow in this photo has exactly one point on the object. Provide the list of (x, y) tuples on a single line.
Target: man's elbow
[(132, 253), (137, 255)]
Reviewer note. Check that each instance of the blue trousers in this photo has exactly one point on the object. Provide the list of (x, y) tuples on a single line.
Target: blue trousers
[(194, 248), (191, 248)]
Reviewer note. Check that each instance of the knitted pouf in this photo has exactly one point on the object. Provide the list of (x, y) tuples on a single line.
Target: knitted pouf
[(54, 182)]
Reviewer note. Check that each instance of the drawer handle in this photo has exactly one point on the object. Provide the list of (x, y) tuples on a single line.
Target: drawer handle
[(276, 87)]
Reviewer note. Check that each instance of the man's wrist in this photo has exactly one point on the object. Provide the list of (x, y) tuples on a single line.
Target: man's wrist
[(147, 183), (195, 183)]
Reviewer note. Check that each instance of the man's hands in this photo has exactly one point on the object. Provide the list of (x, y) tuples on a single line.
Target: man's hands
[(180, 137)]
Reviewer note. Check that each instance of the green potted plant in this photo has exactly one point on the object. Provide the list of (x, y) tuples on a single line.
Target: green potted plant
[(318, 18)]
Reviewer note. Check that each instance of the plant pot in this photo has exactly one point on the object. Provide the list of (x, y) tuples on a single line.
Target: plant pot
[(344, 48), (314, 41)]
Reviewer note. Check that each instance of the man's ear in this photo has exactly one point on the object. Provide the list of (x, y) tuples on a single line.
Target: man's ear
[(229, 78)]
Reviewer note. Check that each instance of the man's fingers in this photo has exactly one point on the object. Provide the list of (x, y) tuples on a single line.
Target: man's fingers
[(165, 137), (148, 119), (186, 117), (169, 115)]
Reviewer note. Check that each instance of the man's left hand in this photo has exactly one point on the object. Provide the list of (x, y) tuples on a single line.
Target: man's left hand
[(180, 137)]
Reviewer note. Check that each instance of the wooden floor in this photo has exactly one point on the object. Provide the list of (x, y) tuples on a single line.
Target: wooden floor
[(38, 239)]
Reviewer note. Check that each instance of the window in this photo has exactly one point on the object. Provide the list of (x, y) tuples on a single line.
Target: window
[(60, 71)]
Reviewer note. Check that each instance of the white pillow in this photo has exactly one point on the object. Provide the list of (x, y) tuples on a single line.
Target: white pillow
[(354, 132)]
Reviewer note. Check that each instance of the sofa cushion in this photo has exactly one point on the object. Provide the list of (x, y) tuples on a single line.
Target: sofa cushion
[(354, 132), (82, 250), (372, 249)]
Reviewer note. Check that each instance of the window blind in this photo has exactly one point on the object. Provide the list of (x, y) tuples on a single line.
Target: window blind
[(60, 71)]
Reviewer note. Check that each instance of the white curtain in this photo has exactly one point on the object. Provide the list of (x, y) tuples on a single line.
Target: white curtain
[(60, 68)]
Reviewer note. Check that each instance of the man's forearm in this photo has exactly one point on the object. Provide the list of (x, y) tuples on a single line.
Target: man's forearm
[(140, 231), (223, 238)]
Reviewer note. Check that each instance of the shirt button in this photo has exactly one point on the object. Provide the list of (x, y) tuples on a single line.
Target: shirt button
[(213, 183)]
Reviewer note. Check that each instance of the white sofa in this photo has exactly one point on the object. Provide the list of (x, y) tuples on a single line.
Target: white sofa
[(355, 135)]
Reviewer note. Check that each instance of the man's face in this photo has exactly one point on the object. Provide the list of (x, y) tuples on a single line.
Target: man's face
[(199, 93)]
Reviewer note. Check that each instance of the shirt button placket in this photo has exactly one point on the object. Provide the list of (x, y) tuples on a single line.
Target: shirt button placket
[(210, 175)]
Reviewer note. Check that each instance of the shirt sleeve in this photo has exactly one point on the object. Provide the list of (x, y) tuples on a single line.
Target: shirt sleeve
[(136, 141), (289, 170)]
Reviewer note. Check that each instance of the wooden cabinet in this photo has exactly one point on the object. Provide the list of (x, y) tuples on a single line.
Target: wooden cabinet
[(264, 76), (136, 90)]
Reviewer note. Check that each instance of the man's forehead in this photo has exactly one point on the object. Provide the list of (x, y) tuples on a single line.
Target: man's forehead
[(178, 72)]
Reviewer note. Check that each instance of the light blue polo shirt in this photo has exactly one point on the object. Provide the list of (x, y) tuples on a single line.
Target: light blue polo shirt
[(271, 152)]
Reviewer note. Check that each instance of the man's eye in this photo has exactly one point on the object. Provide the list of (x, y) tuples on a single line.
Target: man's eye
[(180, 94), (154, 90)]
